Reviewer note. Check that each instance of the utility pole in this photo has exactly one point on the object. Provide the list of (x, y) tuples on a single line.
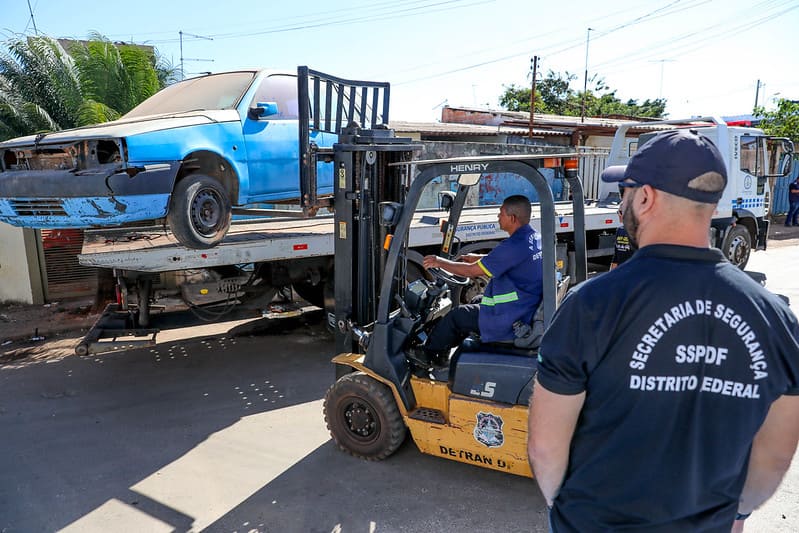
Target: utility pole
[(662, 62), (534, 66), (757, 91), (182, 59), (33, 21), (585, 82)]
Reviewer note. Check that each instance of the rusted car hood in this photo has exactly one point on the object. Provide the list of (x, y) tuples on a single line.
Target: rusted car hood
[(128, 127)]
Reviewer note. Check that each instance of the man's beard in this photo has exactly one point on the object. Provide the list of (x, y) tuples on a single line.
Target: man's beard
[(630, 222)]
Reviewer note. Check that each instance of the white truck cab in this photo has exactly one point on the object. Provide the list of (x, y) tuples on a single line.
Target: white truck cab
[(751, 158)]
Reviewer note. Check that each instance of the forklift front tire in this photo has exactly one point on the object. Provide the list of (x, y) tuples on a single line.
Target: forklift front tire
[(363, 417)]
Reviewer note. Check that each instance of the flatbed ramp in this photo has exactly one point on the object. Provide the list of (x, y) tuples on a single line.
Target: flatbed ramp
[(154, 249)]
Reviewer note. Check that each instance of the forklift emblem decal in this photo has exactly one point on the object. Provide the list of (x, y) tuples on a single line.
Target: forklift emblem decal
[(488, 430)]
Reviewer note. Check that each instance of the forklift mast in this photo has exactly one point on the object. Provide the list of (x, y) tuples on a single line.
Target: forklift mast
[(364, 177)]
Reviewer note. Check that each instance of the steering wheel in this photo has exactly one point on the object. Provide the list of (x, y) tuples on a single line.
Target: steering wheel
[(448, 277)]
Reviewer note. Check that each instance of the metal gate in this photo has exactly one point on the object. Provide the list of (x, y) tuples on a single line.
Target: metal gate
[(66, 278), (591, 166)]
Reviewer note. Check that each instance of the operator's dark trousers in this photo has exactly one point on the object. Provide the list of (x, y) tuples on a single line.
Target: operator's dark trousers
[(453, 328), (793, 214)]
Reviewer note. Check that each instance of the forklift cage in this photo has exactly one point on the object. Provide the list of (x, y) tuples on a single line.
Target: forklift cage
[(382, 355), (330, 104)]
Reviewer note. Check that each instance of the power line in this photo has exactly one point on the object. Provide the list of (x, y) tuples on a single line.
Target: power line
[(305, 17), (568, 44), (683, 44), (503, 46), (394, 13)]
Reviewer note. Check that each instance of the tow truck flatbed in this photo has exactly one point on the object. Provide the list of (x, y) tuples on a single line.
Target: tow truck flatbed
[(154, 249)]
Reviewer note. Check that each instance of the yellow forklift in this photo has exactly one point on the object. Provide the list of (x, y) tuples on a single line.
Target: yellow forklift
[(474, 408)]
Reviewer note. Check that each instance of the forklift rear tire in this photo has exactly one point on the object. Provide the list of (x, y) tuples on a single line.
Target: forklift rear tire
[(363, 417)]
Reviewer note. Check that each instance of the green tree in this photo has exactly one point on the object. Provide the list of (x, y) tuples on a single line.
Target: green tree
[(118, 75), (554, 95), (46, 88), (39, 87), (781, 122)]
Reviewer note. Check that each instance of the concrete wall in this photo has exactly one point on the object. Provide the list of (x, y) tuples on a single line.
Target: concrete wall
[(20, 260)]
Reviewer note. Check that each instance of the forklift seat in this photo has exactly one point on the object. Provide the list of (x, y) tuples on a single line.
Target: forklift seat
[(528, 337), (510, 377)]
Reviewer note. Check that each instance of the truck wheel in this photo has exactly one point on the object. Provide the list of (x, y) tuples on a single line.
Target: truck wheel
[(200, 211), (737, 245), (363, 418)]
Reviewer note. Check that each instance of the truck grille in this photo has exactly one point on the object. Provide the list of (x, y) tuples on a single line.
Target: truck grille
[(38, 207)]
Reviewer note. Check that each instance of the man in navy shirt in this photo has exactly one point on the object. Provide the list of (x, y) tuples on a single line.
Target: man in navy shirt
[(667, 394), (514, 289), (623, 249), (792, 218)]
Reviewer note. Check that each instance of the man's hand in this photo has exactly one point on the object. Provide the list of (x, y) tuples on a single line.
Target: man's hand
[(472, 258), (737, 526), (431, 261), (459, 268)]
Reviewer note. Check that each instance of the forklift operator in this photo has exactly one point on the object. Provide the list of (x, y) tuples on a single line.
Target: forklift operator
[(514, 290)]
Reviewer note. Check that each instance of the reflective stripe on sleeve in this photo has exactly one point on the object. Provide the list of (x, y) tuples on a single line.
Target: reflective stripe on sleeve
[(480, 264), (499, 299)]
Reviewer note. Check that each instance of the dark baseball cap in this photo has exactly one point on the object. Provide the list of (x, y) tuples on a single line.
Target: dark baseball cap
[(672, 161)]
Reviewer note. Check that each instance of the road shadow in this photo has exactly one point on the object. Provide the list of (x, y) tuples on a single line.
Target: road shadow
[(80, 431)]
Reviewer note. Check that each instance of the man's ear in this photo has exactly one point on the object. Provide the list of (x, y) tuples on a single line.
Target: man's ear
[(646, 199)]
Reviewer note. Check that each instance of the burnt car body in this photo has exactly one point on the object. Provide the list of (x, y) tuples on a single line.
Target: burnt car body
[(189, 153)]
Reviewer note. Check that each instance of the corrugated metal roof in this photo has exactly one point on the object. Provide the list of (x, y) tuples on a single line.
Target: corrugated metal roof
[(456, 128), (549, 120)]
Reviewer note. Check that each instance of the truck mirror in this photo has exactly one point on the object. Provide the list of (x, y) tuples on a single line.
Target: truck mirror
[(390, 213), (779, 155), (263, 109), (446, 199), (786, 163)]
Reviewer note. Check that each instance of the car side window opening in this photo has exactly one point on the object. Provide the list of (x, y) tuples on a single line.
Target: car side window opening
[(281, 89)]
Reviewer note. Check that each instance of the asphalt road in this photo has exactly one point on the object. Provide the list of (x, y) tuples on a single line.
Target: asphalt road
[(226, 434)]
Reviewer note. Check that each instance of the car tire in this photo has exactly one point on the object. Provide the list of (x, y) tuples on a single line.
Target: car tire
[(199, 212)]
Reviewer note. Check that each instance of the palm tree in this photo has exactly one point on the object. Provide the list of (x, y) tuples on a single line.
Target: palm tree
[(39, 86), (44, 87)]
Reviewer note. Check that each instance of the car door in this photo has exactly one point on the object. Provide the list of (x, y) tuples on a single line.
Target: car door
[(273, 143)]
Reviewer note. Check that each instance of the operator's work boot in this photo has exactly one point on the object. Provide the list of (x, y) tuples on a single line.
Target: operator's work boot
[(419, 357), (440, 368)]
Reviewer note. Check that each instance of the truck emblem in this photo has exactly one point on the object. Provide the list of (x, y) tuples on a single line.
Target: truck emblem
[(470, 167), (488, 430), (748, 182)]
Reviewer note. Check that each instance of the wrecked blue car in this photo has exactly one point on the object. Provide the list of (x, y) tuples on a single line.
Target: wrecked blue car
[(191, 153)]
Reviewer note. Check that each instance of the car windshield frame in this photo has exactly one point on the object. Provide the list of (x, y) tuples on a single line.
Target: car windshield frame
[(215, 91)]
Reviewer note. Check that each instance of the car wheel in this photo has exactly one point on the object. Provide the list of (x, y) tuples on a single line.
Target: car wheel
[(200, 211)]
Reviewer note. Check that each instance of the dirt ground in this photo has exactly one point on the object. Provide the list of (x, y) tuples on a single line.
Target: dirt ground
[(28, 330)]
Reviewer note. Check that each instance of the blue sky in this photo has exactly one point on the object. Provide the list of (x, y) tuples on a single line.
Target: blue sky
[(704, 56)]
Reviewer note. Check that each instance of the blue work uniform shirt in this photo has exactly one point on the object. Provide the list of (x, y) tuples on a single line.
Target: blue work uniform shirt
[(515, 287)]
